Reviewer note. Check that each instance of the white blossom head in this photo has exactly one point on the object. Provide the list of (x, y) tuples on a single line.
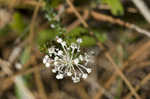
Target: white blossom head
[(68, 61)]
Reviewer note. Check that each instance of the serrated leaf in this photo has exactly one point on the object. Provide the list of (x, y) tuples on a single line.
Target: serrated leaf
[(115, 6)]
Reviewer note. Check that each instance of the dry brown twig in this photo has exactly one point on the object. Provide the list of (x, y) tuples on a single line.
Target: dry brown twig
[(132, 57), (106, 7), (78, 22), (14, 55), (143, 9), (77, 14), (5, 65), (39, 84), (32, 26), (16, 51), (31, 41), (20, 3), (138, 52), (12, 4), (107, 54), (103, 17), (139, 65), (75, 24), (144, 81), (7, 82)]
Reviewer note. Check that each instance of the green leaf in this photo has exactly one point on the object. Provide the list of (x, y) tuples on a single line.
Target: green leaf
[(77, 32), (55, 3), (119, 88), (17, 92), (102, 37), (21, 89), (46, 35), (88, 41), (4, 31), (25, 55), (18, 24), (115, 6), (52, 3)]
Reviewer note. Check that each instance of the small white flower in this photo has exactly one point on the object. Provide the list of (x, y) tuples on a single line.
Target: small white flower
[(76, 61), (56, 63), (44, 60), (78, 50), (68, 61), (60, 76), (56, 58), (63, 43), (76, 79), (69, 73), (60, 53), (57, 49), (68, 49), (84, 76), (79, 40), (89, 70), (52, 26), (18, 66), (54, 70), (51, 50), (59, 40), (47, 65), (73, 45), (46, 56), (81, 57)]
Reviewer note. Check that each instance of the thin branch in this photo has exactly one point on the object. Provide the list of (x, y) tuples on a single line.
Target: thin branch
[(103, 17), (107, 54), (40, 86), (5, 67), (123, 77), (76, 13), (32, 34), (143, 9), (144, 81), (134, 55), (78, 22), (9, 81), (12, 4)]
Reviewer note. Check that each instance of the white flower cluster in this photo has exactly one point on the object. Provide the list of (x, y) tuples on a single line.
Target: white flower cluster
[(68, 61)]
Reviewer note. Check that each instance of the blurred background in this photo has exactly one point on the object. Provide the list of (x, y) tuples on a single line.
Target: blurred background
[(117, 31)]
